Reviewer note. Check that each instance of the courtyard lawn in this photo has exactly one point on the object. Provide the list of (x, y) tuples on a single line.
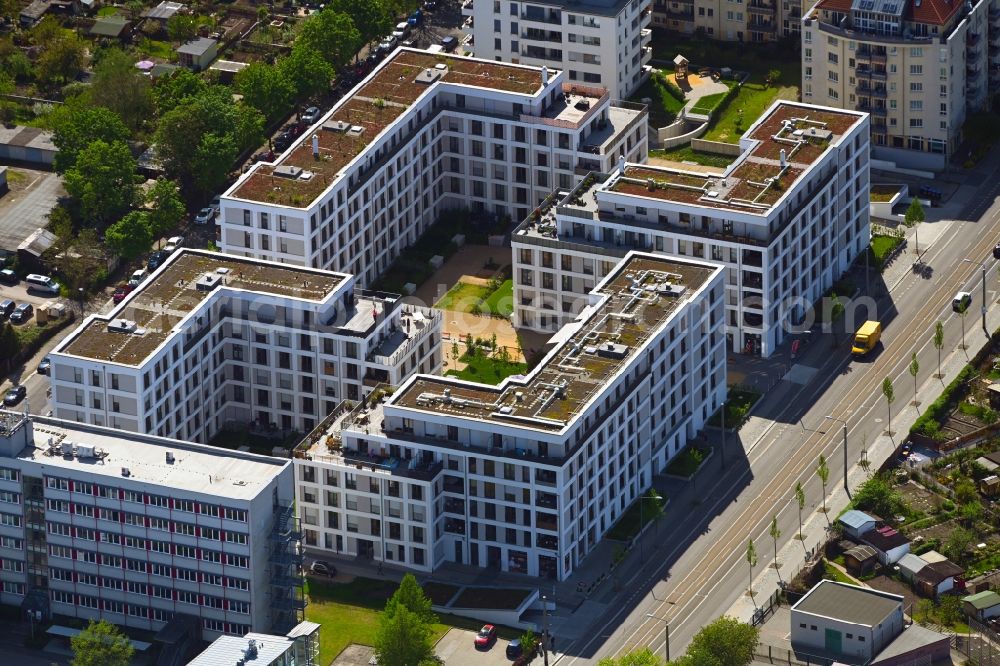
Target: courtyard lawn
[(463, 297), (756, 59), (501, 301), (155, 48), (753, 99), (831, 572), (687, 461), (738, 405), (486, 369), (687, 154), (663, 107), (629, 524), (708, 103), (882, 247)]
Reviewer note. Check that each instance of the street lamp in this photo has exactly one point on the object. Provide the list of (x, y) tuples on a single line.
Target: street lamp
[(666, 633), (642, 522), (834, 418), (982, 265)]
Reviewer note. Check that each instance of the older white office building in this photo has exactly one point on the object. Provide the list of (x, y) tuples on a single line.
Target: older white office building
[(786, 218), (600, 43), (97, 523), (526, 476), (421, 134), (211, 342)]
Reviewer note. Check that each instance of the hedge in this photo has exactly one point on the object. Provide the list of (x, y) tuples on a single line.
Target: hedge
[(671, 88), (930, 421)]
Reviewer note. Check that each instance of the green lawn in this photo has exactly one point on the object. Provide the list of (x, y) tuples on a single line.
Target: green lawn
[(708, 103), (753, 99), (486, 369), (882, 246), (155, 48), (501, 301), (663, 107), (349, 613), (687, 461), (833, 573), (738, 404), (686, 154), (756, 59), (463, 297), (628, 526), (107, 10)]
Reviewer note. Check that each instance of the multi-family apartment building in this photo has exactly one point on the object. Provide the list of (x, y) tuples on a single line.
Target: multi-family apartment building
[(786, 218), (526, 476), (919, 67), (100, 524), (753, 21), (599, 43), (421, 134), (211, 342)]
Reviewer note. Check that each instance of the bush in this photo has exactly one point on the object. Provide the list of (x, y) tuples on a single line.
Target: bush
[(671, 87), (929, 423)]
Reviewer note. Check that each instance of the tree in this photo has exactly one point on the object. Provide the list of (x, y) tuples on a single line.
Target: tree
[(965, 491), (773, 76), (879, 496), (103, 180), (890, 397), (751, 558), (724, 642), (76, 126), (455, 353), (166, 207), (914, 368), (119, 86), (529, 642), (823, 472), (963, 309), (800, 499), (371, 18), (775, 535), (637, 657), (101, 644), (914, 216), (938, 340), (173, 90), (265, 88), (403, 637), (63, 53), (333, 35), (133, 9), (306, 70), (10, 345), (130, 236), (84, 265), (182, 27), (410, 595), (972, 512), (957, 543)]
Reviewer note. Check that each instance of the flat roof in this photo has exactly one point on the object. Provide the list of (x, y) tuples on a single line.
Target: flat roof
[(757, 179), (849, 603), (196, 467), (197, 47), (171, 293), (373, 105), (229, 650), (638, 299)]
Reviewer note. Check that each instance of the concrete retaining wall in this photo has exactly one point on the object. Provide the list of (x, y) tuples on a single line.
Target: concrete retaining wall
[(668, 142), (717, 147)]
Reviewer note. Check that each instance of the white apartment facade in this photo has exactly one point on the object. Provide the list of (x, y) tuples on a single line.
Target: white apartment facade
[(98, 524), (211, 342), (526, 476), (421, 134), (784, 233), (919, 67), (753, 21), (599, 43)]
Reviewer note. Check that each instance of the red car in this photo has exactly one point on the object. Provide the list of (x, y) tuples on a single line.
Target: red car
[(486, 637), (121, 292)]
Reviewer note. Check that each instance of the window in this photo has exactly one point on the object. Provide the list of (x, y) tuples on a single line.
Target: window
[(916, 52), (916, 70), (916, 105)]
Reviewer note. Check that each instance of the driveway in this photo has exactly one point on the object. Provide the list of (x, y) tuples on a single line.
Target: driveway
[(26, 207), (457, 648)]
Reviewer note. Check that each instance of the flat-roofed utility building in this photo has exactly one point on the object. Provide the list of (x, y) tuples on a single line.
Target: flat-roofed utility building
[(526, 476), (211, 341), (787, 218), (424, 133), (99, 523)]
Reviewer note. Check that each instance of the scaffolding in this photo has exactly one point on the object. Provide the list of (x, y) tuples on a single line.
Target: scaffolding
[(288, 600)]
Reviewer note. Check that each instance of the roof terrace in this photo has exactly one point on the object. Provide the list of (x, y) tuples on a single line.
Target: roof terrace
[(319, 156), (148, 317), (638, 299)]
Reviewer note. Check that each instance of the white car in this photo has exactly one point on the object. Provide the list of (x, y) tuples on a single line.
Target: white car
[(387, 44), (205, 216), (137, 277), (173, 243)]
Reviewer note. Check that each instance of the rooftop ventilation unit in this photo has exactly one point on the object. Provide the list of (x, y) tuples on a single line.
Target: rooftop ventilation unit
[(122, 326), (337, 126), (612, 350), (818, 134), (432, 74), (170, 458), (288, 171), (355, 131), (67, 447), (208, 282), (85, 451), (126, 472)]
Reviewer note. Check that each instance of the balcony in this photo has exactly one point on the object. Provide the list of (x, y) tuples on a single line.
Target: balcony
[(547, 542), (647, 54), (454, 526), (546, 521), (646, 18), (454, 485), (971, 40), (553, 17), (545, 500), (645, 36), (763, 27), (467, 8), (760, 8), (879, 93), (456, 506), (680, 14), (536, 35)]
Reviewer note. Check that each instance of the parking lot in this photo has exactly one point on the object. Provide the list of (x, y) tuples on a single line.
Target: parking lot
[(457, 648)]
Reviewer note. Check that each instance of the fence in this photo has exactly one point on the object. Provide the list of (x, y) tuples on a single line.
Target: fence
[(981, 645)]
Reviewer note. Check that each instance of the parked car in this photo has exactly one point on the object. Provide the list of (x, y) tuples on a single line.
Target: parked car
[(310, 115), (401, 31), (449, 43), (6, 308), (121, 291), (8, 276), (486, 637), (173, 243), (15, 395), (44, 366), (138, 276), (22, 313), (282, 141), (42, 283), (514, 649), (930, 192), (321, 568), (205, 216), (387, 44), (961, 301), (156, 259), (996, 251)]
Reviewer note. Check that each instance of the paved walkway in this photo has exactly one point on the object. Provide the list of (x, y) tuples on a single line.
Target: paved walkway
[(697, 87)]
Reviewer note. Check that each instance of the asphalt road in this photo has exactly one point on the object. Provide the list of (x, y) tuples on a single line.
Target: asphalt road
[(698, 570), (25, 209)]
